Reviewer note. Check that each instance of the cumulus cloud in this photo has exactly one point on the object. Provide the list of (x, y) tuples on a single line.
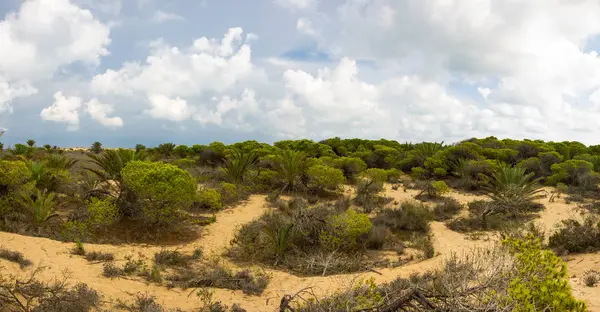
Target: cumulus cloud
[(162, 16), (41, 37), (64, 110), (162, 107), (100, 111), (207, 65), (304, 26)]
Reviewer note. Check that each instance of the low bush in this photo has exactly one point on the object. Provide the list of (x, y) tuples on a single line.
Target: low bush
[(432, 189), (576, 237), (591, 278), (31, 294), (15, 256), (447, 209), (347, 231), (209, 199), (324, 178), (215, 275), (176, 258), (229, 193), (99, 256), (110, 270), (410, 217)]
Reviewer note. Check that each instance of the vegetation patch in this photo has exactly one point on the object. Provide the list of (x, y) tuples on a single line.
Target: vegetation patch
[(15, 256), (577, 237), (99, 256)]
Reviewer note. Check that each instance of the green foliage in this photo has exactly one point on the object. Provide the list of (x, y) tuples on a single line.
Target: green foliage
[(511, 189), (393, 175), (166, 149), (182, 151), (290, 165), (418, 173), (541, 282), (38, 208), (237, 164), (351, 166), (109, 165), (375, 174), (22, 150), (412, 216), (324, 177), (576, 237), (101, 213), (347, 231), (209, 198), (229, 192), (96, 147), (573, 172), (185, 163), (60, 162), (163, 189), (30, 143)]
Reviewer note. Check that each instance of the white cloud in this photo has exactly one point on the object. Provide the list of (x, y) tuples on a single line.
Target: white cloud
[(297, 4), (233, 113), (41, 37), (99, 112), (207, 65), (304, 26), (162, 16), (162, 107), (64, 110)]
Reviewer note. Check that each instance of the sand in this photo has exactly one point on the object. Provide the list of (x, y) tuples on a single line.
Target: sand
[(56, 258)]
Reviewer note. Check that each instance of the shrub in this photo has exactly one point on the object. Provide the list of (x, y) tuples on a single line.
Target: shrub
[(541, 280), (175, 258), (393, 175), (78, 249), (573, 172), (418, 173), (577, 237), (14, 179), (99, 256), (347, 231), (412, 217), (377, 237), (101, 213), (15, 256), (163, 189), (375, 174), (351, 166), (217, 276), (229, 193), (31, 294), (512, 190), (110, 270), (325, 178), (434, 189), (210, 199), (185, 163), (591, 278), (367, 194), (446, 209)]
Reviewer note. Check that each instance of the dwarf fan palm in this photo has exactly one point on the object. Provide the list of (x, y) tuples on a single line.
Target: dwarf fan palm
[(511, 189), (237, 164), (109, 164), (290, 165), (41, 208)]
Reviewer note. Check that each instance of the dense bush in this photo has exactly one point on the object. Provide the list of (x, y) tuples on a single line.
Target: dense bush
[(209, 198), (447, 209), (574, 236), (410, 217), (347, 231), (325, 178), (162, 188)]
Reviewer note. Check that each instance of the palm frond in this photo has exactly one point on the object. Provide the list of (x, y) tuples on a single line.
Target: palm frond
[(237, 164)]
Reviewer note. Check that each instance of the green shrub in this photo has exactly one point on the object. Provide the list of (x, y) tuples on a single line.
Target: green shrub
[(418, 173), (325, 178), (573, 172), (393, 175), (412, 216), (446, 209), (162, 188), (14, 179), (541, 282), (209, 198), (351, 166), (229, 192), (264, 180), (101, 213), (347, 231), (435, 189), (376, 174), (185, 163), (576, 237)]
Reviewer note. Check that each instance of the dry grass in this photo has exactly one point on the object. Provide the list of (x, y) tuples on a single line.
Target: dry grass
[(15, 256)]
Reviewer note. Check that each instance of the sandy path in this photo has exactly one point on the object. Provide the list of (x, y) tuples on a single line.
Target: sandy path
[(56, 257)]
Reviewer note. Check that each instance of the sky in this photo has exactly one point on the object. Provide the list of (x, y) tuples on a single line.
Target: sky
[(124, 72)]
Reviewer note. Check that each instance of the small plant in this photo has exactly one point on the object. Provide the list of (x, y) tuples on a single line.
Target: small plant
[(110, 270), (30, 143), (591, 278), (209, 199), (133, 266), (99, 256), (175, 258), (15, 256), (78, 249), (446, 209)]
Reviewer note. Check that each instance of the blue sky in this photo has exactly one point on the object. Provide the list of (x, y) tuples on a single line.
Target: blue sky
[(192, 71)]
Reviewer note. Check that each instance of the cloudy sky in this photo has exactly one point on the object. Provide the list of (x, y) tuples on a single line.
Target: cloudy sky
[(194, 71)]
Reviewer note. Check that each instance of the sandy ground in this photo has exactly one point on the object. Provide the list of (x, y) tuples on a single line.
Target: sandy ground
[(56, 258)]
